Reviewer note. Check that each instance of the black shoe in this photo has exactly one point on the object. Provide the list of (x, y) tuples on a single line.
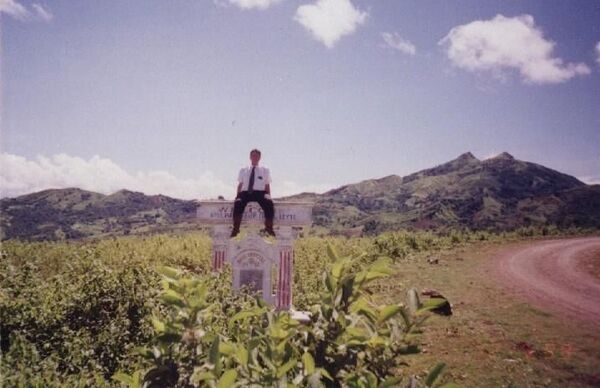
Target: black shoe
[(234, 233), (266, 232)]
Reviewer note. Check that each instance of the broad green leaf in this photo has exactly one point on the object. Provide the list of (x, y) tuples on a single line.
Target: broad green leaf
[(337, 269), (158, 325), (388, 312), (325, 374), (283, 369), (361, 306), (405, 316), (434, 374), (377, 341), (136, 379), (371, 379), (242, 356), (246, 314), (123, 377), (214, 356), (309, 363), (434, 302), (357, 333), (197, 302), (226, 348), (275, 331), (329, 282), (431, 304), (331, 252), (172, 297), (228, 378), (168, 272), (370, 275), (390, 382)]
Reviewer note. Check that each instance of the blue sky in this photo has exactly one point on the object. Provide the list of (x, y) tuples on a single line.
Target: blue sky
[(169, 96)]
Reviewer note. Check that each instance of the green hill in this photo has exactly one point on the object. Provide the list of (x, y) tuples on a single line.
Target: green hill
[(496, 193), (74, 213), (499, 193)]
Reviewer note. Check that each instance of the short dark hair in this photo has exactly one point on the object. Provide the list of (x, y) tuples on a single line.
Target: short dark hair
[(255, 150)]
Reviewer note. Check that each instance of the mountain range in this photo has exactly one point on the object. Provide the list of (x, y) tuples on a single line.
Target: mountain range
[(499, 193)]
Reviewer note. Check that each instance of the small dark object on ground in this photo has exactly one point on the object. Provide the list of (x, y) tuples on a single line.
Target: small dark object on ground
[(444, 309)]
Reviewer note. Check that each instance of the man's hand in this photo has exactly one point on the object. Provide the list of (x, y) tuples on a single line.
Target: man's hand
[(268, 196)]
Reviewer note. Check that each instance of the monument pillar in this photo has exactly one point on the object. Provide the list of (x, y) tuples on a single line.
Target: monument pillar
[(253, 257), (220, 237), (286, 268)]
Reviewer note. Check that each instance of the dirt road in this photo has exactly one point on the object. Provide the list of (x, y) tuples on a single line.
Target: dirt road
[(548, 275)]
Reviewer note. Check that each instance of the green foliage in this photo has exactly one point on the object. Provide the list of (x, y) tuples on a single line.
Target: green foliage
[(70, 313), (349, 340), (148, 311)]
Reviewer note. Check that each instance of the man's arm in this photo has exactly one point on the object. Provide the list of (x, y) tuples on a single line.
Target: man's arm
[(268, 182), (240, 181)]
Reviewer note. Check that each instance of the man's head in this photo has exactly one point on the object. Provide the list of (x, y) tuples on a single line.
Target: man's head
[(255, 157)]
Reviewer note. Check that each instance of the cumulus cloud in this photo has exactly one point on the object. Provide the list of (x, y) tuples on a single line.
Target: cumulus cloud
[(329, 20), (41, 12), (19, 12), (395, 41), (503, 43), (598, 53), (290, 188), (19, 175), (248, 4), (14, 9), (590, 179)]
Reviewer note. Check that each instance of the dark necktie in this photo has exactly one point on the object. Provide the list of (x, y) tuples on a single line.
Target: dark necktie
[(251, 183)]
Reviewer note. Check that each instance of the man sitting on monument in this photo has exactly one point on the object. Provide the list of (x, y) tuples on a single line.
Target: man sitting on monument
[(254, 185)]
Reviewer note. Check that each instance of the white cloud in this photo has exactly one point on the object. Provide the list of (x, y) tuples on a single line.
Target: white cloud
[(291, 188), (41, 12), (590, 179), (509, 43), (14, 9), (19, 12), (19, 176), (491, 155), (329, 20), (598, 53), (247, 4), (395, 41)]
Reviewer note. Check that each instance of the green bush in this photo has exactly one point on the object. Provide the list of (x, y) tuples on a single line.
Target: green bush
[(236, 340)]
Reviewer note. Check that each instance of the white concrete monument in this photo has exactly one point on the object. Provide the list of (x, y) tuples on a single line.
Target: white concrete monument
[(254, 258)]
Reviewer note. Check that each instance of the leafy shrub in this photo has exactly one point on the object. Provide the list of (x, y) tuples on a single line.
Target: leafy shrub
[(348, 341), (70, 313)]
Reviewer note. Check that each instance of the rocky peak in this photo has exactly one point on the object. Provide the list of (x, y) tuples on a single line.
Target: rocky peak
[(503, 156), (467, 156)]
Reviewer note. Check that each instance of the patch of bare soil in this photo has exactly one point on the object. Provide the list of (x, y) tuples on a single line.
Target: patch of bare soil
[(553, 276)]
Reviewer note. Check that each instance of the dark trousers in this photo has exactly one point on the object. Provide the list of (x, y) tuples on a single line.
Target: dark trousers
[(244, 197)]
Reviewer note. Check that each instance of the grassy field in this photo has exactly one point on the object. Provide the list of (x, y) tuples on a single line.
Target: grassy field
[(71, 312)]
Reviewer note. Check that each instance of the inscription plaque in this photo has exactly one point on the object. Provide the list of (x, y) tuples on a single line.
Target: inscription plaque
[(253, 278)]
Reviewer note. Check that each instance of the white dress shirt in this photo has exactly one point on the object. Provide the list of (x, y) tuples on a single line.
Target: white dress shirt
[(262, 177)]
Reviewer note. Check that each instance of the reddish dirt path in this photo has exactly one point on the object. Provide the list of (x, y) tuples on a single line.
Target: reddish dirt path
[(548, 274)]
